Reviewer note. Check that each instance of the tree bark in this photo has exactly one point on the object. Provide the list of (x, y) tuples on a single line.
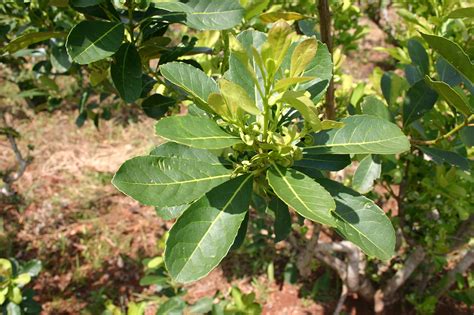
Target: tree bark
[(326, 37)]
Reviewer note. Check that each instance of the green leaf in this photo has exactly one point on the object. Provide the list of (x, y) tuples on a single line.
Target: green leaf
[(156, 106), (284, 83), (126, 73), (372, 105), (462, 13), (305, 106), (420, 99), (361, 221), (450, 95), (197, 132), (254, 7), (28, 39), (203, 235), (271, 17), (282, 224), (190, 79), (202, 306), (174, 306), (366, 173), (22, 279), (208, 14), (172, 149), (32, 267), (361, 134), (448, 73), (85, 3), (392, 87), (241, 234), (443, 156), (453, 54), (418, 55), (304, 52), (237, 98), (164, 182), (467, 136), (277, 45), (214, 15), (90, 41), (13, 309), (302, 193), (170, 213), (324, 162), (60, 60)]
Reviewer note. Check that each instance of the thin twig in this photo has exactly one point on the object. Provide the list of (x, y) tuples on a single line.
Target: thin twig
[(342, 299)]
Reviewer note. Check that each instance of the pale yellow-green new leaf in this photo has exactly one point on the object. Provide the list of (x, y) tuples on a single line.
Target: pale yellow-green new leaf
[(237, 98), (217, 103), (277, 44), (302, 56), (305, 106), (283, 84)]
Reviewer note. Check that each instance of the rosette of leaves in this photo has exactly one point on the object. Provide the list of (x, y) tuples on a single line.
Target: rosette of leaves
[(256, 133)]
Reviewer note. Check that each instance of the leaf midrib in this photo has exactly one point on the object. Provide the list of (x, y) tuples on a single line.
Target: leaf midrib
[(212, 224), (99, 39), (177, 183)]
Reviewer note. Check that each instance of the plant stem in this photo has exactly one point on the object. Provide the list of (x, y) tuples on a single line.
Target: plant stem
[(445, 136), (131, 26)]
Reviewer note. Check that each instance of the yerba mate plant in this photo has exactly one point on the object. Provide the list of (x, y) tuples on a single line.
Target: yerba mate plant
[(257, 132)]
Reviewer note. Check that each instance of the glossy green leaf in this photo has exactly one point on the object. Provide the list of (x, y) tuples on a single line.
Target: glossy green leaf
[(126, 72), (450, 95), (361, 134), (214, 15), (170, 213), (28, 39), (418, 55), (303, 54), (361, 221), (462, 13), (164, 182), (420, 99), (305, 106), (371, 105), (237, 98), (190, 79), (203, 235), (367, 172), (90, 41), (156, 106), (172, 149), (443, 156), (254, 7), (282, 223), (197, 132), (453, 54), (302, 193), (208, 14), (323, 162), (467, 136), (241, 234)]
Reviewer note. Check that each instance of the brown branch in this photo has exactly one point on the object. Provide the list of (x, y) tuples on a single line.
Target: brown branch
[(462, 266), (326, 37)]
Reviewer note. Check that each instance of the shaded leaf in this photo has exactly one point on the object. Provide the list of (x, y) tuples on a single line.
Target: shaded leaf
[(371, 105), (156, 106), (324, 162), (126, 73), (28, 39), (443, 156), (420, 99), (282, 224), (418, 55), (361, 221)]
